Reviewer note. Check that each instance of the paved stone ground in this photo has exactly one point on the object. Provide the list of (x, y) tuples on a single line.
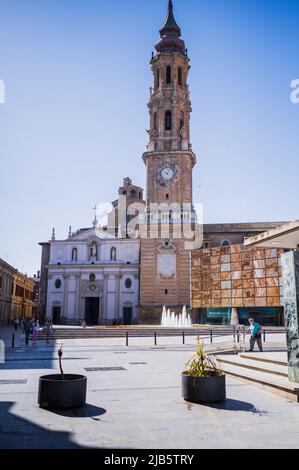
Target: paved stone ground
[(139, 407)]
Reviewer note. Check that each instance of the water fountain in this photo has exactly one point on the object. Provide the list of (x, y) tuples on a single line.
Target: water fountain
[(171, 320)]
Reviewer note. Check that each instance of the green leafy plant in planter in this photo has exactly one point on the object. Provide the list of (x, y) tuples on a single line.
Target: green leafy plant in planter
[(202, 365), (203, 381)]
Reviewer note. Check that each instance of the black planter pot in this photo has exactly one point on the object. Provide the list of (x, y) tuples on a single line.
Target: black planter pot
[(57, 394), (204, 389)]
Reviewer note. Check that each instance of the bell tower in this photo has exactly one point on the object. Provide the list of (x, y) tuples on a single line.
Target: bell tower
[(169, 159)]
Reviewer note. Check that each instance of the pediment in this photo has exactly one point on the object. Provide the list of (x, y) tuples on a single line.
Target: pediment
[(92, 234)]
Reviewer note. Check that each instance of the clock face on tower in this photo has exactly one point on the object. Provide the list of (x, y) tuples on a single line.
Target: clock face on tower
[(166, 173)]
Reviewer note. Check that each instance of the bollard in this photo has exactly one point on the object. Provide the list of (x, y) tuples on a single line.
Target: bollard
[(234, 334), (13, 341), (211, 336), (155, 339), (183, 337), (244, 339), (264, 336), (197, 336), (127, 339), (238, 335)]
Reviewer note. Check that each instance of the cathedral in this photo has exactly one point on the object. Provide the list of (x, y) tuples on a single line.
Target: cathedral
[(125, 272)]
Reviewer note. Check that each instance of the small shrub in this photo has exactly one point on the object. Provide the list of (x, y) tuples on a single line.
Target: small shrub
[(202, 365)]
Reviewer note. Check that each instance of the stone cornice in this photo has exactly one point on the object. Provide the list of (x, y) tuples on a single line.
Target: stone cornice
[(172, 154)]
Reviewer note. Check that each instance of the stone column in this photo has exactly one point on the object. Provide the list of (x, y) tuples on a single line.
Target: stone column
[(105, 299), (64, 313), (117, 295), (290, 268), (78, 303)]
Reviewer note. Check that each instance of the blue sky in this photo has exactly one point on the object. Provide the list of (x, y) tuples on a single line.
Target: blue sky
[(73, 126)]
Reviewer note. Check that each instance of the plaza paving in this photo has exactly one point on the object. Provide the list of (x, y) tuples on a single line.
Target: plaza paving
[(139, 406)]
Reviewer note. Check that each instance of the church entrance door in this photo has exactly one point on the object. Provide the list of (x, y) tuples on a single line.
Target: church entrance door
[(56, 315), (92, 311), (128, 314)]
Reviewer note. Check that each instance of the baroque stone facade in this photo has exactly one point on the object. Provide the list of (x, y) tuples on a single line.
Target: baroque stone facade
[(92, 276)]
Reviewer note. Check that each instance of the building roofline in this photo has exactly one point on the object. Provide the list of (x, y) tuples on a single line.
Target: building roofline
[(14, 270), (241, 227)]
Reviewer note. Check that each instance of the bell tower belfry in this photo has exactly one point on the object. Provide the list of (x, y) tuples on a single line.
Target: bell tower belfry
[(169, 159)]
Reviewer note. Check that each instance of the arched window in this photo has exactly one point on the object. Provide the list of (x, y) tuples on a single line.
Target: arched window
[(180, 76), (113, 254), (168, 75), (155, 121), (157, 79), (74, 254), (168, 121), (92, 277), (58, 283), (128, 283), (181, 120)]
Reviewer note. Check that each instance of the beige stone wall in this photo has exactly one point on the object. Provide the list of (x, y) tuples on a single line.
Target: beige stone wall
[(14, 302), (22, 304), (6, 279), (236, 276)]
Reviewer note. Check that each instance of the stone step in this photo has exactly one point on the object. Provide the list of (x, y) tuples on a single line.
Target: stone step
[(270, 382), (262, 358), (267, 367)]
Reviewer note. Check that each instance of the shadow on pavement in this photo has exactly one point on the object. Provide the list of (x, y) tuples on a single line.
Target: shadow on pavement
[(237, 405), (20, 433), (87, 411), (229, 405)]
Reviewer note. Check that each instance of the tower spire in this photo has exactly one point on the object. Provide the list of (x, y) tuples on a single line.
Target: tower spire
[(170, 34), (171, 25)]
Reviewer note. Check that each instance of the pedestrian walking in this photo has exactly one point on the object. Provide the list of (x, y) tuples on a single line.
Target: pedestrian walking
[(35, 331), (27, 330), (48, 328), (255, 331), (16, 324)]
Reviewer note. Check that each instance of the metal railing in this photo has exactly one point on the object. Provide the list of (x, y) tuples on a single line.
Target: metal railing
[(238, 334)]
